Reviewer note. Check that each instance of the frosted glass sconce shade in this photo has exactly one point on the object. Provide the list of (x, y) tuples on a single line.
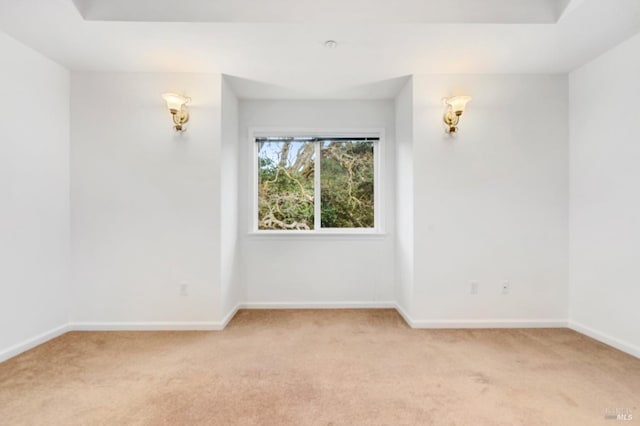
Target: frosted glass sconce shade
[(177, 105), (455, 107), (458, 103)]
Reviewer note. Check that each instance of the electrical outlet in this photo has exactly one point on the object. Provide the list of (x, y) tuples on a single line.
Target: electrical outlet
[(184, 288), (473, 285), (506, 287)]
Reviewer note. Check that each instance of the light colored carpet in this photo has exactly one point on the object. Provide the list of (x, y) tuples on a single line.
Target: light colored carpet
[(319, 367)]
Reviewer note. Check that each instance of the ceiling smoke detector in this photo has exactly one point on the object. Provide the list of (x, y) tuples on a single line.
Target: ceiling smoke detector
[(330, 44)]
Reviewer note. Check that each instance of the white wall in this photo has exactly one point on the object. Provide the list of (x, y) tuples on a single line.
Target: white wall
[(492, 203), (34, 194), (317, 269), (230, 285), (605, 197), (145, 201), (404, 199)]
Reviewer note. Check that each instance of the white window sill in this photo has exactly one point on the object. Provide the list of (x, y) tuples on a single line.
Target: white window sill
[(313, 235)]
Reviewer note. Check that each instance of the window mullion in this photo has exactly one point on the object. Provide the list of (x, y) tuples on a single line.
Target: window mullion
[(316, 188)]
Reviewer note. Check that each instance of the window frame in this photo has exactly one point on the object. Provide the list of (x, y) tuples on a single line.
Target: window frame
[(378, 154)]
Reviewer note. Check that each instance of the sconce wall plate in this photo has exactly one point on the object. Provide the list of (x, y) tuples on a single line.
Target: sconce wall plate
[(177, 105), (455, 107)]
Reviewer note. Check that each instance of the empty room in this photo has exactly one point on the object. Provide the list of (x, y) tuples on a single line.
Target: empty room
[(292, 212)]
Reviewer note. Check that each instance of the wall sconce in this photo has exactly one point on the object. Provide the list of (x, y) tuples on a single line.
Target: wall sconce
[(455, 108), (177, 105)]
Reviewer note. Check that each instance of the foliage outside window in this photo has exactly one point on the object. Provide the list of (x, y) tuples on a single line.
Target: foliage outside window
[(312, 183)]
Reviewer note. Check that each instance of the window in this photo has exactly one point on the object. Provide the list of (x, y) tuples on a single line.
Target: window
[(316, 183)]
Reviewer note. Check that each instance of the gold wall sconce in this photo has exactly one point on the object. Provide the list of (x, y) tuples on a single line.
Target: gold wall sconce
[(455, 107), (177, 105)]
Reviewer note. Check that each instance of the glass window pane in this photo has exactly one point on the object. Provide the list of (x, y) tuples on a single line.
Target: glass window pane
[(347, 184), (285, 185)]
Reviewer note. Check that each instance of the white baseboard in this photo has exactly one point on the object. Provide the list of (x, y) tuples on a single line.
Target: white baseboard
[(33, 342), (482, 323), (318, 305), (156, 325), (405, 316), (496, 323), (605, 338), (220, 325), (118, 326), (148, 326), (227, 319)]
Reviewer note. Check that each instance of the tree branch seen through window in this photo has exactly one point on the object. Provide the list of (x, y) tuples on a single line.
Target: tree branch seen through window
[(288, 187)]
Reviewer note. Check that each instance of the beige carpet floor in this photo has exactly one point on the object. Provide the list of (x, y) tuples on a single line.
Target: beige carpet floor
[(320, 367)]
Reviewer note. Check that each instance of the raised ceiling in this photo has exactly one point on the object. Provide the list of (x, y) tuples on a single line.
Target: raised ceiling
[(284, 57), (313, 11)]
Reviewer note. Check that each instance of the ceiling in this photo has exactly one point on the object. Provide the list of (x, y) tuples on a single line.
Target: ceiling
[(313, 11), (278, 52)]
